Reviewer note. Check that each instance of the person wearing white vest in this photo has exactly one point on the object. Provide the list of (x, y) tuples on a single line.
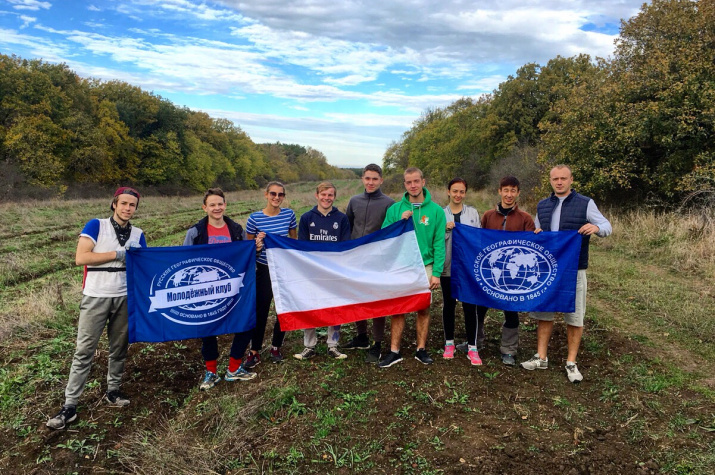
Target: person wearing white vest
[(102, 250)]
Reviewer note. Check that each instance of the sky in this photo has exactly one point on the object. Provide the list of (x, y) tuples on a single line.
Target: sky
[(345, 77)]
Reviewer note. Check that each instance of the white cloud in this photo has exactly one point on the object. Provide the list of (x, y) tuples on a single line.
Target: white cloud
[(517, 31), (93, 8), (27, 21), (178, 9), (33, 5)]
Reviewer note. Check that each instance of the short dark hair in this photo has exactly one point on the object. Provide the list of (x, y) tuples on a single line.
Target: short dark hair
[(457, 180), (509, 180), (373, 167), (214, 192)]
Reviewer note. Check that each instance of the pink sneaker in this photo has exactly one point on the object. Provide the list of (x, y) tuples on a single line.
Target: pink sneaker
[(448, 352), (473, 357)]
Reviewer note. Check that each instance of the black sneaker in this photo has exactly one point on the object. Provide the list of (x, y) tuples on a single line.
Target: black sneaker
[(115, 398), (276, 355), (66, 415), (251, 361), (360, 342), (390, 359), (423, 357), (373, 354)]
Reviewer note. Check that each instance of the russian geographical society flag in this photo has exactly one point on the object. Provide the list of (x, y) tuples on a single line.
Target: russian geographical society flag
[(316, 284), (516, 271), (175, 293)]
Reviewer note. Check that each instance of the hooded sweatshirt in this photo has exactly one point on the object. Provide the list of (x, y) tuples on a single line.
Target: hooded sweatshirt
[(430, 224)]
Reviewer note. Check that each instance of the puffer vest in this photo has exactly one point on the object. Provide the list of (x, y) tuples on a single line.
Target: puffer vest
[(574, 211)]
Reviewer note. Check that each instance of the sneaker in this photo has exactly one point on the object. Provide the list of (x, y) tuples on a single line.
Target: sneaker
[(423, 357), (508, 359), (252, 360), (276, 355), (448, 352), (115, 398), (66, 415), (360, 342), (306, 354), (535, 363), (210, 380), (239, 375), (473, 357), (573, 373), (373, 354), (390, 359), (333, 352)]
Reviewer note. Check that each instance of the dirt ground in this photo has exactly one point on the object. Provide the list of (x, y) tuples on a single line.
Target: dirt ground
[(449, 417)]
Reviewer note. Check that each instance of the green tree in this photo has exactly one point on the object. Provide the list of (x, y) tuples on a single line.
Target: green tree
[(645, 125)]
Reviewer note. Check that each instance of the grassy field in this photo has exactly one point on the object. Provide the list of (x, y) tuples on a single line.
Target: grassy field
[(647, 404)]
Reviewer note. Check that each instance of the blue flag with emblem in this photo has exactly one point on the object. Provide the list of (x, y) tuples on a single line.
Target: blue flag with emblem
[(176, 293), (515, 271)]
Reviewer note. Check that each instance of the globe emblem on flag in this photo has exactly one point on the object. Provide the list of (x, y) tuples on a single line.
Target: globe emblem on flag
[(197, 275), (514, 269)]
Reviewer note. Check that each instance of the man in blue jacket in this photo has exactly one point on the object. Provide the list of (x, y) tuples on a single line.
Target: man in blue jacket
[(566, 210)]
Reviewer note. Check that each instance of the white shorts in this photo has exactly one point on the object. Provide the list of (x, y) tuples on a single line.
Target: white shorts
[(574, 319)]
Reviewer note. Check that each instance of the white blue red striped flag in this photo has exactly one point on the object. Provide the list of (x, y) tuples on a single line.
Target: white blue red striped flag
[(317, 284)]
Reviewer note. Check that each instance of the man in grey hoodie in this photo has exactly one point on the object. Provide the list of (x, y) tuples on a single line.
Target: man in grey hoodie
[(366, 213)]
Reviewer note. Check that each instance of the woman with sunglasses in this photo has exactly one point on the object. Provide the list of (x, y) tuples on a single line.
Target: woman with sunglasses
[(275, 220)]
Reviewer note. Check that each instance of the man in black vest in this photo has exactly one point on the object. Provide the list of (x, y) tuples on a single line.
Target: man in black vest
[(566, 210)]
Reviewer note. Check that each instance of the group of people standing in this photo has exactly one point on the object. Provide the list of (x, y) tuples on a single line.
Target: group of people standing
[(103, 243)]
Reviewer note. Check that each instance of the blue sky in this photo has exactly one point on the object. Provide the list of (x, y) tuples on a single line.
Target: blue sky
[(345, 77)]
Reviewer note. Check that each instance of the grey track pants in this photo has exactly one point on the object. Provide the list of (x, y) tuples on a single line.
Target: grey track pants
[(94, 314)]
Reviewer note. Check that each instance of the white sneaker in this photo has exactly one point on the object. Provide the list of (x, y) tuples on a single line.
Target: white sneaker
[(573, 373), (333, 352), (535, 363)]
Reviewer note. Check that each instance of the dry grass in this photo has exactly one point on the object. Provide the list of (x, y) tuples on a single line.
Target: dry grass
[(210, 433), (679, 241)]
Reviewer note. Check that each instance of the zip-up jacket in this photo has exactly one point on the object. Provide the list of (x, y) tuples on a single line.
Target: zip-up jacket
[(430, 224), (199, 232), (333, 227), (574, 214), (469, 217), (366, 212)]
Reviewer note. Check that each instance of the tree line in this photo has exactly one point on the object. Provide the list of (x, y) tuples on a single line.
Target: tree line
[(58, 130), (638, 126)]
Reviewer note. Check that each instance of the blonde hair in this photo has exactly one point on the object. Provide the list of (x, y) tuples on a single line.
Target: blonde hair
[(326, 185), (413, 170)]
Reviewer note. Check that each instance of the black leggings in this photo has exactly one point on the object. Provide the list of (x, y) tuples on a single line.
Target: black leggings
[(264, 296), (209, 347), (449, 308)]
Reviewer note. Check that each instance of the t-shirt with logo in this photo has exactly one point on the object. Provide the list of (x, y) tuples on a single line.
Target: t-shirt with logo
[(218, 235)]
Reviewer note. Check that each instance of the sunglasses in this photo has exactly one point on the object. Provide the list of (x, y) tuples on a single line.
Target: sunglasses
[(279, 195)]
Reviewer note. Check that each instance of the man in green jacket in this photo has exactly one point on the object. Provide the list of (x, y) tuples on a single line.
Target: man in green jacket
[(430, 224)]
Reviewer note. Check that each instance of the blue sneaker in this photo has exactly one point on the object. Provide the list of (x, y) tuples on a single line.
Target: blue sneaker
[(239, 375), (210, 380)]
